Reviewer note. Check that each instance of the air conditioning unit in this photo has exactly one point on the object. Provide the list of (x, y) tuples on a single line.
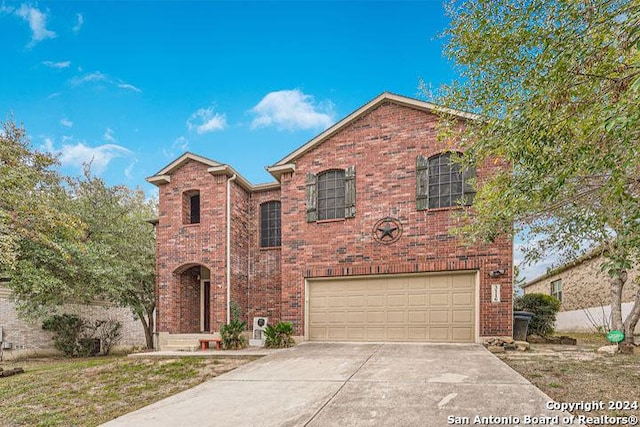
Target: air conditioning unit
[(259, 323), (6, 345)]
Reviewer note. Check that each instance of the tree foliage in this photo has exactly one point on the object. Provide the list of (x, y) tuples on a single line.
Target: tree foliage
[(29, 196), (556, 86), (72, 240)]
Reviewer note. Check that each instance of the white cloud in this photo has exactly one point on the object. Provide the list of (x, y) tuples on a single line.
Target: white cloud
[(79, 21), (179, 146), (58, 65), (97, 76), (205, 120), (292, 109), (66, 122), (53, 95), (76, 154), (108, 136), (37, 22), (88, 78), (99, 157), (128, 87)]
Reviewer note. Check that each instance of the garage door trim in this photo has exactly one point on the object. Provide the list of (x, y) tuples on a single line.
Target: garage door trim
[(377, 276)]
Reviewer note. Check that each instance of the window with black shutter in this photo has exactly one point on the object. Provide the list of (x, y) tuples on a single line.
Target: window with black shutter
[(441, 182)]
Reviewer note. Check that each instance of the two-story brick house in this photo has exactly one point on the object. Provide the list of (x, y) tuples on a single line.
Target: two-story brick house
[(350, 243)]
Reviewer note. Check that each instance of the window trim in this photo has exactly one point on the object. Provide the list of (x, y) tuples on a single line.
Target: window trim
[(188, 198), (340, 179), (312, 195), (278, 228), (424, 182), (557, 293)]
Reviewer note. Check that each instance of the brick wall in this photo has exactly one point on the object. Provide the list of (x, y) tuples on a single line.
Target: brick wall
[(181, 246), (383, 146), (585, 285), (240, 202), (27, 336), (264, 291)]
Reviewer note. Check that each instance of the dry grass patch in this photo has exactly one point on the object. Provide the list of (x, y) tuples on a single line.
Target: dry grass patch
[(578, 374), (88, 392)]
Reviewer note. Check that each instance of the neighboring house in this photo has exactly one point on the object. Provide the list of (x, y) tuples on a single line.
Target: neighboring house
[(23, 338), (584, 292), (350, 243)]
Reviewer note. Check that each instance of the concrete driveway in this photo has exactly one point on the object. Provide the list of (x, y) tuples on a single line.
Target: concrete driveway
[(327, 384)]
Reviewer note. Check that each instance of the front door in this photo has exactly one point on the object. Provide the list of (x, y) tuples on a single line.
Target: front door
[(206, 306)]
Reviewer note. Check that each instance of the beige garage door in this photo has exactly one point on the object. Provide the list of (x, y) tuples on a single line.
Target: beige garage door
[(427, 308)]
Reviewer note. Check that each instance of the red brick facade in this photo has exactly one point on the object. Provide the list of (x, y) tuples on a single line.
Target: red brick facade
[(382, 142)]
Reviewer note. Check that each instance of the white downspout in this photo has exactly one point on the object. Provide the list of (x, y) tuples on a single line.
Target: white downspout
[(233, 178)]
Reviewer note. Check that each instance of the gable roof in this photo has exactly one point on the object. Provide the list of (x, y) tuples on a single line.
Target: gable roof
[(285, 164), (163, 176), (589, 255)]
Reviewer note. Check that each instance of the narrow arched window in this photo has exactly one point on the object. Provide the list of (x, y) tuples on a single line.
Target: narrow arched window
[(191, 207), (270, 230)]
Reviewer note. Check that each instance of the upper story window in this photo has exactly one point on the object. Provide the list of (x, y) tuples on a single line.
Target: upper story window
[(331, 194), (556, 289), (441, 182), (191, 207), (270, 230)]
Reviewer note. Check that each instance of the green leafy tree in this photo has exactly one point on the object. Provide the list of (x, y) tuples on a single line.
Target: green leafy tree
[(29, 198), (556, 88), (118, 244)]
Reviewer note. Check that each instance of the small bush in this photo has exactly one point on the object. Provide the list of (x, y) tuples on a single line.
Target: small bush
[(279, 336), (68, 331), (109, 332), (75, 336), (232, 337), (544, 309)]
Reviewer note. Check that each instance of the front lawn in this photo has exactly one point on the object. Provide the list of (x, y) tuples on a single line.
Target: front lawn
[(88, 392), (571, 374)]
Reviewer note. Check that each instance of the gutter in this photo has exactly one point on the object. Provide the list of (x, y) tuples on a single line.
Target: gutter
[(233, 178)]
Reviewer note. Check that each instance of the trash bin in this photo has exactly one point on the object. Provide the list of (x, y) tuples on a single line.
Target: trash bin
[(521, 321)]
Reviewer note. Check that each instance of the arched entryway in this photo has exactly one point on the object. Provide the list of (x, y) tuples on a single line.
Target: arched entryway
[(195, 299)]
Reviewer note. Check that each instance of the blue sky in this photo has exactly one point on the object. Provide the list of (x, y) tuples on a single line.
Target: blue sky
[(132, 85)]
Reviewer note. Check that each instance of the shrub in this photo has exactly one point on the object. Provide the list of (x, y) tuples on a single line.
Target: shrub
[(109, 332), (232, 337), (279, 336), (75, 336), (68, 332), (544, 309), (236, 311)]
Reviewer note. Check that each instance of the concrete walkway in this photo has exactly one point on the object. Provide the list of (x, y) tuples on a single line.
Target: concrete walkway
[(327, 384)]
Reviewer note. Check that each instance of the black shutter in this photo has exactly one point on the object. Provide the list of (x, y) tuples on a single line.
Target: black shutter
[(350, 192), (422, 182), (311, 197)]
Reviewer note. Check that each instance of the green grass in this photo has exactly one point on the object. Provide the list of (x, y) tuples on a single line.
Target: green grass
[(88, 392)]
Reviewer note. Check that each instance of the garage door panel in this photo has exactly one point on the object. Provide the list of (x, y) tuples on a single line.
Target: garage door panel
[(439, 334), (462, 334), (438, 308), (439, 316), (461, 316), (375, 300), (376, 317), (355, 301), (462, 298), (439, 299), (417, 317), (394, 316), (396, 300)]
